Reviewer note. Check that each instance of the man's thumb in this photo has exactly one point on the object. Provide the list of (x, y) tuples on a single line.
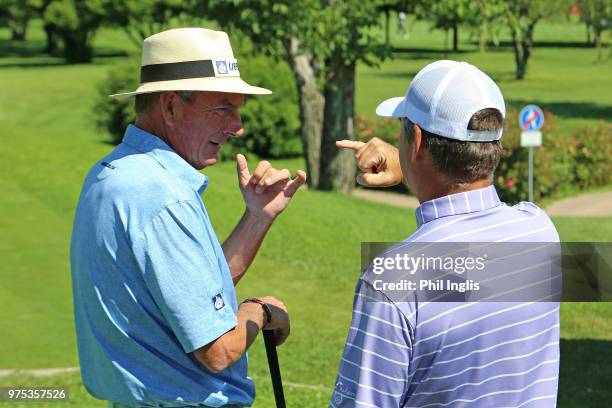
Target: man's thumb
[(373, 180), (242, 168)]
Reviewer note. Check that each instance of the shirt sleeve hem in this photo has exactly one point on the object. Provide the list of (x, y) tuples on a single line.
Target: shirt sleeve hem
[(210, 335)]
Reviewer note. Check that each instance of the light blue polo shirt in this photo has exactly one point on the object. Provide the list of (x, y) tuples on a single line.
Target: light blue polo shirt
[(150, 282)]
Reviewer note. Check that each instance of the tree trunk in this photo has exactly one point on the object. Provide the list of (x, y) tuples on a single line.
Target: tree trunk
[(519, 56), (312, 103), (337, 165), (455, 37), (481, 43), (598, 44), (523, 45), (19, 30), (387, 35), (446, 43), (51, 38), (77, 48), (588, 31)]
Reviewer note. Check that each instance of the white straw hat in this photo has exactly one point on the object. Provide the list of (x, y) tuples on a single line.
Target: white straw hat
[(190, 59), (442, 98)]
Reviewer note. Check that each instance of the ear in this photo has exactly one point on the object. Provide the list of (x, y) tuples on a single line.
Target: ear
[(418, 147), (168, 104)]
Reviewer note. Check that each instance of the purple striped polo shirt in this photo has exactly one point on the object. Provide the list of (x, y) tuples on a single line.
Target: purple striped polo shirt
[(455, 354)]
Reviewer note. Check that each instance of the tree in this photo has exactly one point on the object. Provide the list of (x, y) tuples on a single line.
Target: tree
[(522, 17), (76, 22), (322, 43), (486, 19), (448, 15), (386, 6), (597, 15), (140, 19), (19, 13)]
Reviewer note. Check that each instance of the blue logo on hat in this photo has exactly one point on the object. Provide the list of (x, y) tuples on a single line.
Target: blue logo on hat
[(221, 67), (218, 300)]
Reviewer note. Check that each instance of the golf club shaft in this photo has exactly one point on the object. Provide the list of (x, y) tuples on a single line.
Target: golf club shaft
[(277, 383)]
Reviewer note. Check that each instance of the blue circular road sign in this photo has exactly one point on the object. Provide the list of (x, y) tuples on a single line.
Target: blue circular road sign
[(531, 118)]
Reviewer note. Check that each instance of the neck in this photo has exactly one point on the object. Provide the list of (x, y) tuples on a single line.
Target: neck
[(431, 191), (146, 123)]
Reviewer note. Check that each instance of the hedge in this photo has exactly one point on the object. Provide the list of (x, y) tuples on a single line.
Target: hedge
[(564, 165)]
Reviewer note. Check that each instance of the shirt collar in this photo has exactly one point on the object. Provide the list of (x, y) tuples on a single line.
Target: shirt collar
[(155, 147), (460, 203)]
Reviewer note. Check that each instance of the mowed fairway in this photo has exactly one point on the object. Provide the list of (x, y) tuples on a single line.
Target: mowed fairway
[(310, 258)]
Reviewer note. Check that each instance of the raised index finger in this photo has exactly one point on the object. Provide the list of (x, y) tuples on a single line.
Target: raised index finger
[(350, 144)]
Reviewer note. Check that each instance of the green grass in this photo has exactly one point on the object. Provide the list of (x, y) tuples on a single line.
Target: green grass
[(563, 75), (48, 144)]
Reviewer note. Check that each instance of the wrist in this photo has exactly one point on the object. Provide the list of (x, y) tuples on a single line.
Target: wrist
[(258, 219), (264, 307)]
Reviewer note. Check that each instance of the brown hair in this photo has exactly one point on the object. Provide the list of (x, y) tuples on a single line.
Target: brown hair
[(464, 162)]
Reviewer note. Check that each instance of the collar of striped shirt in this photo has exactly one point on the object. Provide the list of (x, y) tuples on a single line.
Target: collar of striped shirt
[(461, 203)]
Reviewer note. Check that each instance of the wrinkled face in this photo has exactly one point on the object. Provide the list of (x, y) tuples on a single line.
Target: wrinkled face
[(205, 123)]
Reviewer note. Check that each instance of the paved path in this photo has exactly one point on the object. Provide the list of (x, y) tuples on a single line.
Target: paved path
[(386, 197), (598, 204)]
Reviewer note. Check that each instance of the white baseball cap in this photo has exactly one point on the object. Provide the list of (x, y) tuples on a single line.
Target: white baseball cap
[(442, 98)]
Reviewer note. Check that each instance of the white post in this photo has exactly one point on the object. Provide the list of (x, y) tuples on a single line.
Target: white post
[(531, 174)]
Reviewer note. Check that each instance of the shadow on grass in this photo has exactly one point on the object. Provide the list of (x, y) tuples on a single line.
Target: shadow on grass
[(30, 54), (554, 44), (424, 53), (10, 48), (586, 110), (585, 373)]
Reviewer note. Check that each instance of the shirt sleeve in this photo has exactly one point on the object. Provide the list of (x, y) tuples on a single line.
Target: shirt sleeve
[(182, 273), (374, 366)]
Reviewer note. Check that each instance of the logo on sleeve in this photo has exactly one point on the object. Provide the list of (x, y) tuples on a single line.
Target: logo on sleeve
[(218, 302)]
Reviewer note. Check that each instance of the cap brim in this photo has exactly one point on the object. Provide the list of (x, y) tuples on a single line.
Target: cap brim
[(227, 84), (392, 108)]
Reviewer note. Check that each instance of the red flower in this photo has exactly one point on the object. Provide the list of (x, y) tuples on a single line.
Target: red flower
[(509, 183)]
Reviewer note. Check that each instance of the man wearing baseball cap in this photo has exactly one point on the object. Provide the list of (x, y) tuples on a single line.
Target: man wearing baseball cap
[(157, 320), (448, 354)]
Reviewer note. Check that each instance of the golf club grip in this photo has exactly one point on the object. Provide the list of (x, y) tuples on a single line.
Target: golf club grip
[(277, 384)]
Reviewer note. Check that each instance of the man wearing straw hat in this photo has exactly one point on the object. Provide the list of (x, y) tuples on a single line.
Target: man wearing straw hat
[(157, 319)]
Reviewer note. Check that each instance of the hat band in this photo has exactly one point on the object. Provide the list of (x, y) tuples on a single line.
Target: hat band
[(188, 69)]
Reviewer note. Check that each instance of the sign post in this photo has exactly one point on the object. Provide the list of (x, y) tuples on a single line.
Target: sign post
[(531, 120)]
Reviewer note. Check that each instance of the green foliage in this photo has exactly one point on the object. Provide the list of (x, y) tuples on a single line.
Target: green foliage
[(19, 13), (140, 19), (446, 14), (76, 22), (340, 28), (387, 129), (485, 19), (597, 13), (112, 115), (271, 121), (563, 165)]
